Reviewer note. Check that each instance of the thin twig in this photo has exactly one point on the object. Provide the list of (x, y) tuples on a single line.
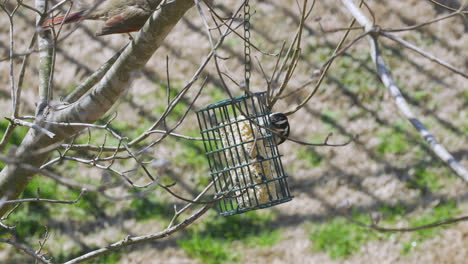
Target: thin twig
[(61, 180), (241, 111), (445, 6), (26, 250), (129, 240), (423, 53), (38, 199), (20, 122), (323, 72), (22, 73), (407, 229), (179, 212), (435, 20), (6, 136)]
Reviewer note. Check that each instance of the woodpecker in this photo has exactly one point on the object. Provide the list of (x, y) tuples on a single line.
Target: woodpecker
[(280, 126)]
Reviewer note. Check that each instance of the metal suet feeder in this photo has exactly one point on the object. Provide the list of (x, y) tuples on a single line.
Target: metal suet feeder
[(244, 161)]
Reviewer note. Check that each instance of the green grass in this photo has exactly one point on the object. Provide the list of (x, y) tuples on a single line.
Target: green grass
[(312, 157), (15, 139), (217, 94), (111, 258), (150, 207), (351, 73), (192, 152), (340, 238), (47, 188), (464, 125), (329, 118), (443, 211), (176, 113), (420, 40), (31, 218), (208, 249), (426, 178), (239, 227), (392, 213), (212, 242), (264, 239), (358, 81), (29, 222), (130, 129), (161, 97), (393, 142), (464, 94), (18, 133), (421, 96), (232, 42)]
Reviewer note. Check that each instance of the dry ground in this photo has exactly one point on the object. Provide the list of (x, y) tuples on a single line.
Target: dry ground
[(379, 168)]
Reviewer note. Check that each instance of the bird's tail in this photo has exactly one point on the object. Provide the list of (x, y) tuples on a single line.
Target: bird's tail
[(72, 17)]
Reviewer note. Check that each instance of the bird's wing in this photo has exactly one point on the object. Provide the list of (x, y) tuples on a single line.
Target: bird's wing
[(131, 20), (72, 17)]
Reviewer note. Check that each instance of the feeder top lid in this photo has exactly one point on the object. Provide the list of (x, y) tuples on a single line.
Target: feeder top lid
[(230, 101)]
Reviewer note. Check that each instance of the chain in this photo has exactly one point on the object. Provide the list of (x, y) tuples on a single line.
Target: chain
[(247, 59)]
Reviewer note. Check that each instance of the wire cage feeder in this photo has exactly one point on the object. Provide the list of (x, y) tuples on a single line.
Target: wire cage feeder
[(244, 161)]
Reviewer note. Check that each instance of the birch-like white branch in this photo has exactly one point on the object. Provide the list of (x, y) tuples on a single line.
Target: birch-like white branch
[(400, 101)]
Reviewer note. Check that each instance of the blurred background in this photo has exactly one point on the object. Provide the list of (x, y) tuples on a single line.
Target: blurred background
[(387, 170)]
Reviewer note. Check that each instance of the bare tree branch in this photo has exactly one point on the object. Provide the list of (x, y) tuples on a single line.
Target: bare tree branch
[(400, 101), (378, 228), (38, 199), (423, 53), (84, 87), (45, 45), (446, 7), (26, 250), (18, 122), (129, 240), (323, 72), (90, 108)]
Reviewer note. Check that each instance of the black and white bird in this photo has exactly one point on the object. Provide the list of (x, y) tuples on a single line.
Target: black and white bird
[(280, 126), (246, 151)]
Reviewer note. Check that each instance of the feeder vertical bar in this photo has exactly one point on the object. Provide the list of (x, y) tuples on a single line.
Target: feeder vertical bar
[(247, 153), (203, 134), (233, 120), (245, 159), (252, 181), (221, 164), (247, 58), (261, 143), (227, 186), (224, 116)]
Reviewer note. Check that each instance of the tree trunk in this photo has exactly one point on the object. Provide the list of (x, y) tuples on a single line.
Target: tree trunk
[(91, 107)]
